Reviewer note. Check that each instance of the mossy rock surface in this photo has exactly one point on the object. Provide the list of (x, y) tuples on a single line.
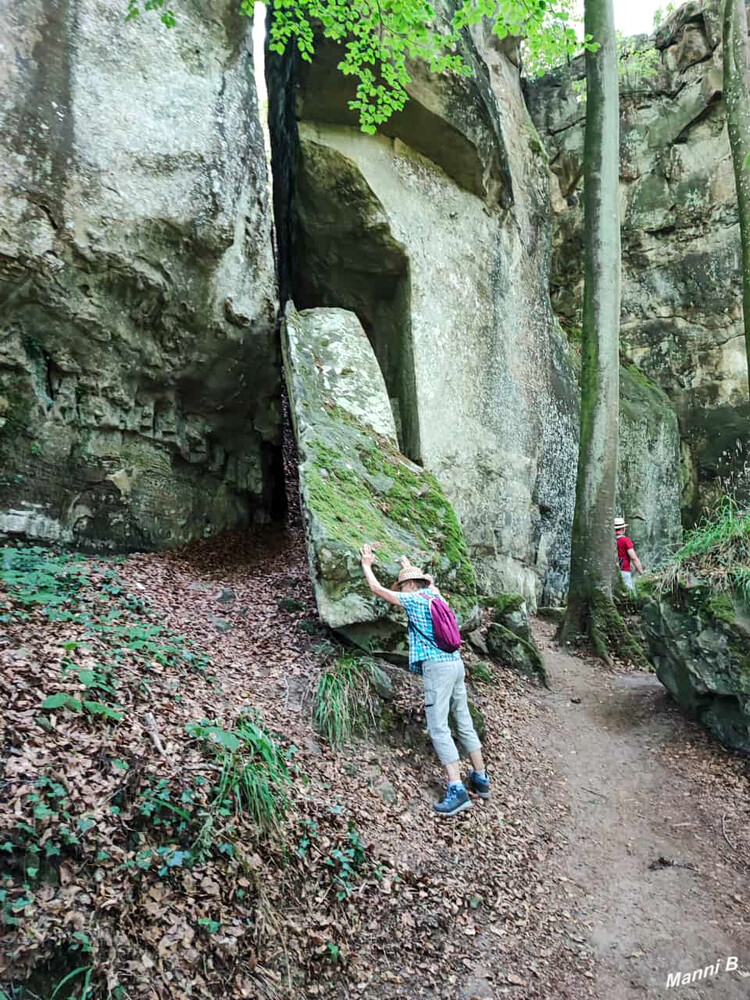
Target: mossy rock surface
[(514, 651), (357, 487), (699, 643)]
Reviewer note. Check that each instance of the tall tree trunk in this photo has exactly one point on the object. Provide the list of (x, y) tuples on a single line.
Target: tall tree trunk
[(737, 96), (591, 610)]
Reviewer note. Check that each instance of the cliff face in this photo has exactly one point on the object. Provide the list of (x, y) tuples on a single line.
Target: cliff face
[(139, 364), (435, 234), (681, 302), (139, 354)]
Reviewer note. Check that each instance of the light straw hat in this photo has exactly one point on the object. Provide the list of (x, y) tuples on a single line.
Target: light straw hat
[(412, 573), (620, 522)]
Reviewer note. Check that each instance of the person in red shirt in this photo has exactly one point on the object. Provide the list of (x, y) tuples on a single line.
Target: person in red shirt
[(626, 556)]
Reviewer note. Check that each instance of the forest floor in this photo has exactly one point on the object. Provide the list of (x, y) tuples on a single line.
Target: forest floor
[(613, 852)]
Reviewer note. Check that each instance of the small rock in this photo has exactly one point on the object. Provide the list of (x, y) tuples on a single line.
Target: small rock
[(290, 604), (220, 623), (475, 639), (225, 595), (387, 792), (382, 683), (200, 586)]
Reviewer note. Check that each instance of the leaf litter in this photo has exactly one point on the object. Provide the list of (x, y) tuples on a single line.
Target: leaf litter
[(131, 861)]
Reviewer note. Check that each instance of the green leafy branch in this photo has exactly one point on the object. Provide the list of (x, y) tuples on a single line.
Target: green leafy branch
[(380, 38)]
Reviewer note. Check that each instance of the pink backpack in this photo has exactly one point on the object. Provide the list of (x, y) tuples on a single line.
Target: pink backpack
[(444, 626)]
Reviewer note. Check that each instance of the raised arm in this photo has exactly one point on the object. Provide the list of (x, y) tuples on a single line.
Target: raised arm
[(367, 559)]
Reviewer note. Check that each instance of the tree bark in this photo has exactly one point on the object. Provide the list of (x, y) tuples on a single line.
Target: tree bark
[(591, 610), (737, 97)]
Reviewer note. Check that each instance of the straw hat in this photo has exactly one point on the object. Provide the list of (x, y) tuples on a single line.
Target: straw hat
[(620, 522), (412, 573)]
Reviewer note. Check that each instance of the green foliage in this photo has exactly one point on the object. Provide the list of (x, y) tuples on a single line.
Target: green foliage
[(166, 14), (84, 970), (662, 13), (342, 698), (716, 551), (344, 862), (637, 66), (253, 782), (39, 578), (378, 40)]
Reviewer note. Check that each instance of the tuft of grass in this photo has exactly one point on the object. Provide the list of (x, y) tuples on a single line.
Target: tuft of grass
[(717, 552), (342, 700), (253, 780)]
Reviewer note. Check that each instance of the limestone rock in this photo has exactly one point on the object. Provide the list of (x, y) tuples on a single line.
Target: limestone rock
[(356, 486), (699, 642), (430, 231), (139, 368), (648, 484), (509, 638), (512, 651), (681, 293)]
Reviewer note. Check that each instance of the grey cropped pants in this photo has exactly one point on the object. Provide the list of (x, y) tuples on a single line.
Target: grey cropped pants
[(444, 693)]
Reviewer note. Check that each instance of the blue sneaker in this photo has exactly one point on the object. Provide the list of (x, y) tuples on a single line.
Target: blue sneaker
[(480, 785), (456, 800)]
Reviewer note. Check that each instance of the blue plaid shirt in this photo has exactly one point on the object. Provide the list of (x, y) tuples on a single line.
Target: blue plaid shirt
[(417, 607)]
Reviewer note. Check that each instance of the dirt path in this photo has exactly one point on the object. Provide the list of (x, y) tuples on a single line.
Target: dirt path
[(643, 783)]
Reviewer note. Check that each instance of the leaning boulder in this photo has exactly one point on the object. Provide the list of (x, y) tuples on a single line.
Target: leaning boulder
[(699, 642), (357, 487)]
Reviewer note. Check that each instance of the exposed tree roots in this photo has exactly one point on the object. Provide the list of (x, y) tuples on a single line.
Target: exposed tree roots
[(595, 619)]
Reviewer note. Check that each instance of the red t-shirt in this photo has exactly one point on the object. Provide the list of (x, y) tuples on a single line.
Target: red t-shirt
[(623, 544)]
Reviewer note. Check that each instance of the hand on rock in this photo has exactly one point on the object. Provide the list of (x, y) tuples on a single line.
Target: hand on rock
[(367, 556)]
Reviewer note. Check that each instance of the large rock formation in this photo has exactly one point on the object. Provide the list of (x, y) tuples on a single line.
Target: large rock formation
[(356, 487), (139, 369), (435, 233), (648, 486), (681, 302), (699, 641)]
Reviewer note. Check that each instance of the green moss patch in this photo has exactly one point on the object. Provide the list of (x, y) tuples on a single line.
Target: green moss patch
[(502, 603), (359, 488), (720, 606)]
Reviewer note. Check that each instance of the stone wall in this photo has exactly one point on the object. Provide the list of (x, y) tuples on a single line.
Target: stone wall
[(139, 363), (681, 299)]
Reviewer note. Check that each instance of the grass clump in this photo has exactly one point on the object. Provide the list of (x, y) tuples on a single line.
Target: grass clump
[(342, 700), (716, 552), (253, 780)]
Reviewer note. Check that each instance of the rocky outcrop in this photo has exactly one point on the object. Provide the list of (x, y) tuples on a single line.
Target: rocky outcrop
[(357, 487), (648, 481), (681, 296), (434, 233), (509, 638), (139, 368), (699, 642)]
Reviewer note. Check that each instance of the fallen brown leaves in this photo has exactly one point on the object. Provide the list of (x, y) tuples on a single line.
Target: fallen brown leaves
[(435, 907)]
